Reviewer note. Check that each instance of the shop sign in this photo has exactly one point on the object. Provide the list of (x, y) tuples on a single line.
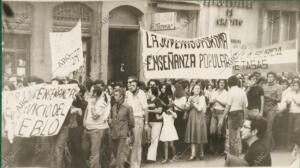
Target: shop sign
[(228, 4), (163, 21), (229, 20)]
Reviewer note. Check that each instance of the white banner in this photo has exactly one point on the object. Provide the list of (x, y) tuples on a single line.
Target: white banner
[(281, 57), (38, 110), (170, 57), (66, 51)]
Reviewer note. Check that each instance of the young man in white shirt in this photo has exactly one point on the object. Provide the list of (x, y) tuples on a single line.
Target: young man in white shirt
[(136, 98), (95, 124), (235, 106)]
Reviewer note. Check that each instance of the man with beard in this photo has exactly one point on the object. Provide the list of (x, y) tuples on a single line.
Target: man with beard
[(136, 98), (252, 133)]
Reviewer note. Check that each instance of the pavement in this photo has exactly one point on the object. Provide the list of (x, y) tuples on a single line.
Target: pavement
[(280, 158)]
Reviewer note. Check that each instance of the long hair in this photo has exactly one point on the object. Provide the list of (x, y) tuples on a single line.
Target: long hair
[(179, 92), (168, 88), (201, 89)]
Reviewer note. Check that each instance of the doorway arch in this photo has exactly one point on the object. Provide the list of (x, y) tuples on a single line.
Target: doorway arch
[(123, 42)]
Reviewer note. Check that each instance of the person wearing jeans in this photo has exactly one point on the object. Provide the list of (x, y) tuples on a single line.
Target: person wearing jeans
[(136, 98), (58, 142), (95, 125), (236, 103), (272, 93), (255, 95), (58, 145), (154, 108), (219, 98), (122, 124)]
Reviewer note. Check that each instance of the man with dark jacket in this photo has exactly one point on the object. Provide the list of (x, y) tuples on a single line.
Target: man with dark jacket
[(122, 124), (253, 130)]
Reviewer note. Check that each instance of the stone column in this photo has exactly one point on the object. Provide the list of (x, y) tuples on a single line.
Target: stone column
[(40, 55), (104, 42), (96, 38)]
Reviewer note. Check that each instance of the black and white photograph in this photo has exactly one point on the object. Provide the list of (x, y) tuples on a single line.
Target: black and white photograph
[(150, 83)]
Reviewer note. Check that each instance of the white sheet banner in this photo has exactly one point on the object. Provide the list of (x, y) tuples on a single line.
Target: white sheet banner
[(171, 57), (281, 57), (66, 51), (38, 110)]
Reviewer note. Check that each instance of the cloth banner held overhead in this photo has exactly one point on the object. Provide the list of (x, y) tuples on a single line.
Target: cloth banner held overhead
[(171, 57), (66, 51), (281, 57), (37, 110)]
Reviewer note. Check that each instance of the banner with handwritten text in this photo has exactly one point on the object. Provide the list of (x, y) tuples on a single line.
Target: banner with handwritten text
[(66, 51), (171, 57), (281, 57), (38, 110)]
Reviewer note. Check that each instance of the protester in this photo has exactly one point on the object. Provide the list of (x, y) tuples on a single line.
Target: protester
[(59, 141), (75, 132), (196, 132), (234, 110), (122, 126), (209, 90), (168, 133), (255, 95), (280, 134), (155, 107), (136, 98), (165, 96), (253, 130), (272, 93), (179, 101), (219, 99), (166, 108), (96, 125), (165, 93), (153, 83), (293, 100)]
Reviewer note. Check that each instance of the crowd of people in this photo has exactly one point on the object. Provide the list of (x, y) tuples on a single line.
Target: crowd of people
[(126, 124)]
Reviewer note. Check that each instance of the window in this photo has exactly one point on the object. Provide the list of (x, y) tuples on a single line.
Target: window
[(67, 14), (288, 28), (289, 25), (273, 26), (15, 52)]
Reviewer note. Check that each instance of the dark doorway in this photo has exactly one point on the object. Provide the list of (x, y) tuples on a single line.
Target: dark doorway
[(122, 56)]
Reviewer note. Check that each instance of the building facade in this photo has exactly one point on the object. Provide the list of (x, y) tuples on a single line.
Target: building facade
[(111, 30)]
